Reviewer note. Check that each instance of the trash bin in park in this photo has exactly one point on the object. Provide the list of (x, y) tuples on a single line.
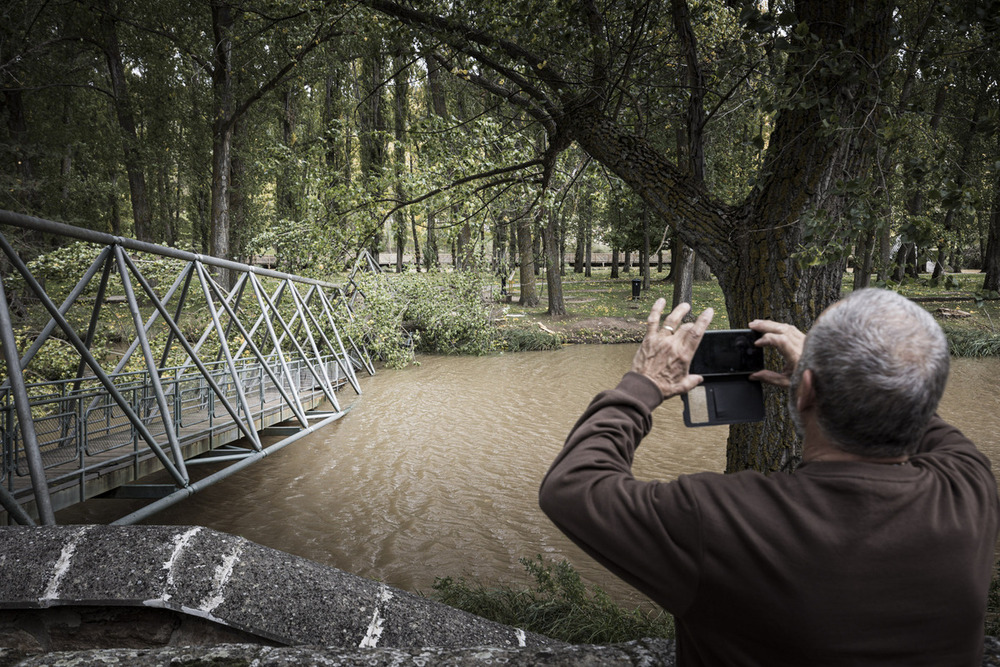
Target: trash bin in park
[(636, 288)]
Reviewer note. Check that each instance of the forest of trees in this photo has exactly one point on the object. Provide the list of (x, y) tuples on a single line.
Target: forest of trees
[(775, 141)]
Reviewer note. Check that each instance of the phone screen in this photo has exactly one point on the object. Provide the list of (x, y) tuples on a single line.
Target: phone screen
[(728, 352)]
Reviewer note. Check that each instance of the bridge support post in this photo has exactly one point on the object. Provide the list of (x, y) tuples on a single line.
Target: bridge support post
[(21, 403)]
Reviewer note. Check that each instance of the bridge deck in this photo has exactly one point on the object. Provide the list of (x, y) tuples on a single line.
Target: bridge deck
[(89, 447)]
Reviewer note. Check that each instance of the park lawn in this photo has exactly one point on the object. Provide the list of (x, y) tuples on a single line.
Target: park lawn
[(604, 309)]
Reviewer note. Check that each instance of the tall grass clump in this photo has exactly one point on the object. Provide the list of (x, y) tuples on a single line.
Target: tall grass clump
[(515, 339), (558, 605), (972, 342), (993, 605)]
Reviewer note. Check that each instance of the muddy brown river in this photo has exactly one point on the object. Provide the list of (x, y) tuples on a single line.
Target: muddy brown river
[(435, 470)]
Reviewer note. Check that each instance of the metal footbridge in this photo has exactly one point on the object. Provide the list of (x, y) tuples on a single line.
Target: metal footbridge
[(212, 359)]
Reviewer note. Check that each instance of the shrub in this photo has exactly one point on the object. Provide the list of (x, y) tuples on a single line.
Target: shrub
[(438, 312)]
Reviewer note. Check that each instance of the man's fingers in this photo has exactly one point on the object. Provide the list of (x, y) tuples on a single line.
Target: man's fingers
[(701, 324), (676, 316), (771, 377), (653, 321)]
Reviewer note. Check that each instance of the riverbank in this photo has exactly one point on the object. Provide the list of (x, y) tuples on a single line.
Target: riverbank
[(601, 309)]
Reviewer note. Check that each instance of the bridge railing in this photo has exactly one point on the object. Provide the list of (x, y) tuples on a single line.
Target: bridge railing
[(269, 348)]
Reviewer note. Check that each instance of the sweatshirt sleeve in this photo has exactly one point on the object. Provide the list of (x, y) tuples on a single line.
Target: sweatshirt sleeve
[(645, 532)]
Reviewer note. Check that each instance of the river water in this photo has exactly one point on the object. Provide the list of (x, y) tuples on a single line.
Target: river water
[(435, 470)]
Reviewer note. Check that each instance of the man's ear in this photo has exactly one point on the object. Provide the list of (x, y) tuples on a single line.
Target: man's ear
[(805, 396)]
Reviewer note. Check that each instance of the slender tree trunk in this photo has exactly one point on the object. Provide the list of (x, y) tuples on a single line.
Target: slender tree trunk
[(116, 212), (23, 156), (863, 258), (580, 242), (401, 95), (222, 132), (682, 268), (557, 307), (141, 213), (416, 242), (239, 219), (372, 127), (694, 146), (645, 248), (991, 281), (525, 252), (439, 107), (66, 166), (431, 247), (702, 271)]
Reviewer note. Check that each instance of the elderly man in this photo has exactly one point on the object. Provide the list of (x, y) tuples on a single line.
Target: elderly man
[(877, 550)]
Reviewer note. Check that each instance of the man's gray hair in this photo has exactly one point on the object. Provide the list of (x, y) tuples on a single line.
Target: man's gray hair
[(879, 365)]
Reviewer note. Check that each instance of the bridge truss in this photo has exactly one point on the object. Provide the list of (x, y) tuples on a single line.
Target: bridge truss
[(202, 371)]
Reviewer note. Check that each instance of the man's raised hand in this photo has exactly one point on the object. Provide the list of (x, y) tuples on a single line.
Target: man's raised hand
[(666, 351)]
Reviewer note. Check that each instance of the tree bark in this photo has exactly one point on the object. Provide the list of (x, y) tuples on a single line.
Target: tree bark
[(401, 95), (141, 213), (991, 281), (863, 258), (222, 131), (525, 252), (371, 128), (553, 279), (17, 126)]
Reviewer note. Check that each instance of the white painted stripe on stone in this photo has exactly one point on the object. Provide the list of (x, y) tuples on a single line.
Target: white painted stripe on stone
[(376, 627), (180, 543), (61, 568), (374, 632), (222, 574)]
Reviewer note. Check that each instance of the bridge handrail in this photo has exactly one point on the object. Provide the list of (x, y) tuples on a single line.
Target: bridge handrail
[(102, 238)]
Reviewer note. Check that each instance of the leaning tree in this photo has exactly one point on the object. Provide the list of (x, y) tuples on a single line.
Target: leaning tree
[(565, 64)]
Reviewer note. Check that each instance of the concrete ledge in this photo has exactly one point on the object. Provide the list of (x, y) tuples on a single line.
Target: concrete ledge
[(225, 581)]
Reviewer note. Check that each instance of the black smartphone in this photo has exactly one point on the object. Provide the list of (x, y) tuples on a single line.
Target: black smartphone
[(726, 358), (728, 352)]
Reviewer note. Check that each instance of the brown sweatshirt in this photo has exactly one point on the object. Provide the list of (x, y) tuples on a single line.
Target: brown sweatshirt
[(840, 563)]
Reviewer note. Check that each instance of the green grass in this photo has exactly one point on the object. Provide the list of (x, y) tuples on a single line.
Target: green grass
[(557, 605)]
